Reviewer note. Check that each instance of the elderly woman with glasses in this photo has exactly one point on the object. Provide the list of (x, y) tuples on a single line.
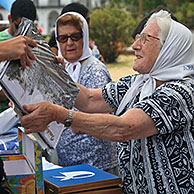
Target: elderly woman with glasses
[(154, 111), (73, 42)]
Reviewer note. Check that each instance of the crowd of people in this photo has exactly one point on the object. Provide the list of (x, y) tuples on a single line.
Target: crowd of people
[(147, 117)]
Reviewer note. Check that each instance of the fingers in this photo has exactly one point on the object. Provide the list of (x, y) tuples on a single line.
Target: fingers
[(60, 59), (26, 54), (31, 42), (30, 107), (10, 104), (28, 120), (25, 60), (32, 123), (38, 118)]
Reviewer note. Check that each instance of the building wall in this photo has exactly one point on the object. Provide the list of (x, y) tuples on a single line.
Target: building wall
[(49, 10), (47, 18), (88, 3)]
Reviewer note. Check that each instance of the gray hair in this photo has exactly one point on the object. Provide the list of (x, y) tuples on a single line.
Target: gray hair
[(163, 19)]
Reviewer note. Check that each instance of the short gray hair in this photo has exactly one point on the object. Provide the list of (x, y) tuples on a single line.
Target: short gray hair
[(163, 19)]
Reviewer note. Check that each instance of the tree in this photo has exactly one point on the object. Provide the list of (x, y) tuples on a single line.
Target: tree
[(111, 30), (185, 14)]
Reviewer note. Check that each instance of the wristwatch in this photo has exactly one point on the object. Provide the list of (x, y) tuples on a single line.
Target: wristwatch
[(68, 121)]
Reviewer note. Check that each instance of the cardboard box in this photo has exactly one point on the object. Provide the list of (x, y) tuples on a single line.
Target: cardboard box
[(81, 179), (21, 176), (24, 171)]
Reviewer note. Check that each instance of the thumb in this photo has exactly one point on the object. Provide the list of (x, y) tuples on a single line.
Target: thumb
[(29, 108)]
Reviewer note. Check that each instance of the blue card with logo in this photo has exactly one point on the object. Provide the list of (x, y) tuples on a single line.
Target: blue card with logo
[(79, 174)]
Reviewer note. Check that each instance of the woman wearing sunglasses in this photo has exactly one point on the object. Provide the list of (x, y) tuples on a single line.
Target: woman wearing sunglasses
[(73, 42)]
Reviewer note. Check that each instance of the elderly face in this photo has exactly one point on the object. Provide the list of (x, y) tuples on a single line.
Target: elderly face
[(71, 50), (147, 51)]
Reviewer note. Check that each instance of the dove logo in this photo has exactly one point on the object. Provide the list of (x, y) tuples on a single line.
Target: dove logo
[(74, 175)]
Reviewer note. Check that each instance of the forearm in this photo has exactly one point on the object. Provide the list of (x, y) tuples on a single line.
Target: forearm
[(102, 126), (91, 101), (82, 99), (135, 124)]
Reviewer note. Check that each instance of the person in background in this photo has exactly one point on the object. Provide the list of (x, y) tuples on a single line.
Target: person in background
[(19, 9), (75, 7), (72, 37), (52, 42), (84, 11), (154, 111)]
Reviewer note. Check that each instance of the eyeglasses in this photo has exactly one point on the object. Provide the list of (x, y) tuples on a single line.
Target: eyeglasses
[(74, 37), (144, 37)]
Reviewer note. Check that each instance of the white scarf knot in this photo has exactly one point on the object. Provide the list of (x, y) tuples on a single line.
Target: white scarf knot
[(74, 70)]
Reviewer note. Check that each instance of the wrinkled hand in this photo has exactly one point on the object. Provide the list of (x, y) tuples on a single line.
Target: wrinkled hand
[(40, 115), (18, 48)]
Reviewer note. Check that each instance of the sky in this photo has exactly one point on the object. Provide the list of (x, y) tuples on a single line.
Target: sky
[(6, 4)]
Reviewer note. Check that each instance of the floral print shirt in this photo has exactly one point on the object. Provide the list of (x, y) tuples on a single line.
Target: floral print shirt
[(75, 149)]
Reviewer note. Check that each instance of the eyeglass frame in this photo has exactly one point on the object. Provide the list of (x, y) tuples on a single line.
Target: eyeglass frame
[(70, 36), (137, 36)]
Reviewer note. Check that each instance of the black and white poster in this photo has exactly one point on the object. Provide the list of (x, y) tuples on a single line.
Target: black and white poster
[(45, 80)]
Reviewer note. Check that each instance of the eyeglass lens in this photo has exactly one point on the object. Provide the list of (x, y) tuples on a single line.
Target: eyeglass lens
[(142, 36), (74, 37)]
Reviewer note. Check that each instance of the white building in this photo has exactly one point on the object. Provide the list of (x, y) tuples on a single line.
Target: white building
[(49, 10)]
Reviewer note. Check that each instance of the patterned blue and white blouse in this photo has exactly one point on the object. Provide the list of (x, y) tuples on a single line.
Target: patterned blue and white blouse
[(75, 149), (163, 163)]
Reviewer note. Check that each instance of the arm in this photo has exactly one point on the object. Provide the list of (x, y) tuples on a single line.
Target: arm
[(130, 125), (17, 48), (91, 100)]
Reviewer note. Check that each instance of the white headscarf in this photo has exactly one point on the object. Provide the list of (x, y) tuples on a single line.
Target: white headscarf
[(86, 49), (175, 62)]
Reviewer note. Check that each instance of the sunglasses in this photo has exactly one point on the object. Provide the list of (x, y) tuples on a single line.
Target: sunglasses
[(145, 37), (74, 37)]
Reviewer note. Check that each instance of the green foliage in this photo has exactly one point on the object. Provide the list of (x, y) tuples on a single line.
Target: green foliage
[(111, 29), (182, 9), (185, 14)]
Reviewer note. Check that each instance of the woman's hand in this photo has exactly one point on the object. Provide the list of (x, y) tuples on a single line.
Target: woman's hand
[(60, 59), (39, 117)]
